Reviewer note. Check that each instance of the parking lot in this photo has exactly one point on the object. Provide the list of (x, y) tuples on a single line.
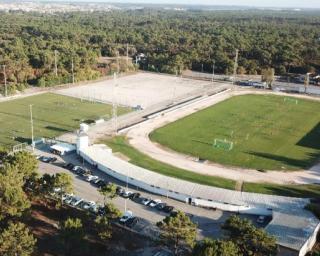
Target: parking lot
[(209, 221)]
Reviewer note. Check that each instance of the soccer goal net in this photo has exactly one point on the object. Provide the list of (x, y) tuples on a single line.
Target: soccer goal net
[(223, 144), (290, 100)]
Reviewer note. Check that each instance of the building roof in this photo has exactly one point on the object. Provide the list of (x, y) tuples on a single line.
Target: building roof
[(292, 225), (63, 147)]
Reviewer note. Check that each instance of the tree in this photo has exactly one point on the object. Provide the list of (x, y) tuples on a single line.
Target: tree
[(249, 239), (24, 162), (13, 200), (268, 76), (16, 239), (178, 231), (210, 247), (72, 235), (103, 223), (108, 191), (63, 182)]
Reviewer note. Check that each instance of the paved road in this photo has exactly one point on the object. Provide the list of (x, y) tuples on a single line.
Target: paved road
[(209, 221)]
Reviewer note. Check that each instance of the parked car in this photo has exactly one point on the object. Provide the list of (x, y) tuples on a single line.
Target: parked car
[(126, 194), (168, 209), (98, 183), (68, 166), (87, 205), (76, 201), (69, 199), (134, 196), (48, 159), (120, 190), (146, 201), (161, 206), (131, 222), (91, 178), (127, 215), (261, 219), (154, 203)]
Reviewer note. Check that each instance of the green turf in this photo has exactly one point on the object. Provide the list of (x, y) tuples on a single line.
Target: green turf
[(268, 133), (119, 144), (311, 191), (53, 115)]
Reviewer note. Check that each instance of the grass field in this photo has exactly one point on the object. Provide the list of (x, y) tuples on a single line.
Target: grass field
[(120, 144), (268, 133), (53, 115)]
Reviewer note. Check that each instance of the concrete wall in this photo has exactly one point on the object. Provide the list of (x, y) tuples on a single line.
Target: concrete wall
[(310, 242), (176, 195)]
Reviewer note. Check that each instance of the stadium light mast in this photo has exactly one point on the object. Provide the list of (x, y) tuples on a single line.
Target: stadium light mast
[(72, 69), (213, 70), (127, 57), (114, 105), (5, 81), (31, 123), (55, 63), (235, 66), (306, 82)]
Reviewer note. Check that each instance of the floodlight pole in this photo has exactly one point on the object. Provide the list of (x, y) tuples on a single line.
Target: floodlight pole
[(235, 66), (5, 81), (31, 122), (114, 105), (127, 56), (55, 63), (213, 71), (72, 67)]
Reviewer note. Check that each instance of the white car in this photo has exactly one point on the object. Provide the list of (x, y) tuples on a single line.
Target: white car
[(69, 199), (91, 178), (76, 201), (88, 205), (127, 215), (66, 196), (146, 201), (126, 194), (154, 202)]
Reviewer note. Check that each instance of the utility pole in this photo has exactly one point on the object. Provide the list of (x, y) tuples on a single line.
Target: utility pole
[(5, 81), (31, 122), (55, 63), (235, 66), (213, 70), (72, 67)]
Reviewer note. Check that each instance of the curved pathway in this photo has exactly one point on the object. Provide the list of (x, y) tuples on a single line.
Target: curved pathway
[(139, 138)]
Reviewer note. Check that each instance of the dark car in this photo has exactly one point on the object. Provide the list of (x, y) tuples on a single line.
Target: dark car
[(46, 159), (130, 223), (161, 206), (68, 166), (134, 196), (120, 190), (168, 209), (98, 183)]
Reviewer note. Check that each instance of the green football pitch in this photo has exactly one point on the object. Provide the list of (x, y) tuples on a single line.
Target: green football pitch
[(263, 132), (53, 115)]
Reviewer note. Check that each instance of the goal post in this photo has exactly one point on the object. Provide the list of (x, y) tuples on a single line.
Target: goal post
[(223, 144), (290, 100)]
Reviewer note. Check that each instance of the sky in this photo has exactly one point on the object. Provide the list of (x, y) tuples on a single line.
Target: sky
[(258, 3)]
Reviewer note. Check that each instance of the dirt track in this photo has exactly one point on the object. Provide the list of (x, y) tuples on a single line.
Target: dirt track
[(139, 138)]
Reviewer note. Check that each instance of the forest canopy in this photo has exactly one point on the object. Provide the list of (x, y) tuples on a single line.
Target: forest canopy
[(287, 41)]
